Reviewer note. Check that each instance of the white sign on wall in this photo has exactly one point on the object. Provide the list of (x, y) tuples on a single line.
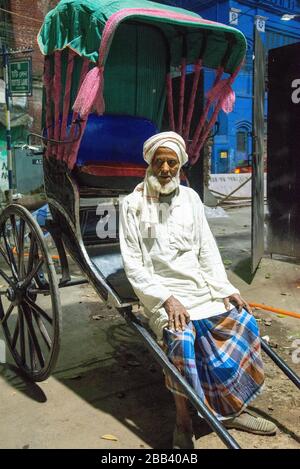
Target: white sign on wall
[(226, 183), (260, 22), (234, 16)]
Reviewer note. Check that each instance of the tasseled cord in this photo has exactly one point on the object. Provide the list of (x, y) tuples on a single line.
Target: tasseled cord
[(222, 97), (91, 93), (222, 93)]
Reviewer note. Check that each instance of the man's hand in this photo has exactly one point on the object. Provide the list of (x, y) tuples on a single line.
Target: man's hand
[(178, 315), (238, 301)]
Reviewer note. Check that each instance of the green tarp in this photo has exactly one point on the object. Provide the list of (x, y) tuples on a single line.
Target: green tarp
[(141, 52), (135, 74), (79, 24)]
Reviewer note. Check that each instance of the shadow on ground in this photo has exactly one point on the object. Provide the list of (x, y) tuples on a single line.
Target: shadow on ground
[(17, 380), (106, 365), (243, 270)]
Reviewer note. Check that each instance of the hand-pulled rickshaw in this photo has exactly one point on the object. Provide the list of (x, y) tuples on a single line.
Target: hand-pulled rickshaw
[(109, 84)]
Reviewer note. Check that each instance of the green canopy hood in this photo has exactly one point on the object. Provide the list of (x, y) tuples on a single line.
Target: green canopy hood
[(78, 24)]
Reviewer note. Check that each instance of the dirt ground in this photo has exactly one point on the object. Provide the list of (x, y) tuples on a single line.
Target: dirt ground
[(107, 391)]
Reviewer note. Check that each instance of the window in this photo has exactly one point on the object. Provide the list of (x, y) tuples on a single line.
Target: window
[(6, 33), (241, 141)]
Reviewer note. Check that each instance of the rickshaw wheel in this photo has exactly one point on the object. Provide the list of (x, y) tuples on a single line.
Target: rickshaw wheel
[(30, 322)]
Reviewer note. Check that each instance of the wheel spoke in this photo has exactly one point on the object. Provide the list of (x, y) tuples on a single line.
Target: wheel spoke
[(34, 340), (11, 257), (42, 329), (32, 354), (5, 257), (21, 249), (6, 277), (32, 274), (16, 334), (22, 335), (26, 273), (15, 232), (7, 314), (32, 258), (32, 252), (1, 310), (38, 309)]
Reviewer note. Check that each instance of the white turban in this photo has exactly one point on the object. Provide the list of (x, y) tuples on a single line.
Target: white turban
[(150, 198), (170, 140)]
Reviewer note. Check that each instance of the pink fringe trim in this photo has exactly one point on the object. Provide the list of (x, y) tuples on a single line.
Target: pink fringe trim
[(48, 81), (225, 100), (56, 99), (222, 91), (66, 105), (181, 95), (229, 101), (71, 150), (170, 102), (90, 93), (199, 128), (197, 70)]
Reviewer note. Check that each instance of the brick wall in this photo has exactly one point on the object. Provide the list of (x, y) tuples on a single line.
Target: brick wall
[(26, 23), (26, 27)]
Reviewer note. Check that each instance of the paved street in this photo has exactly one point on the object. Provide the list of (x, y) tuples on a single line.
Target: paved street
[(106, 382)]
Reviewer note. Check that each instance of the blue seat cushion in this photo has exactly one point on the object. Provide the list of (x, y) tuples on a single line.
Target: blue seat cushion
[(114, 139)]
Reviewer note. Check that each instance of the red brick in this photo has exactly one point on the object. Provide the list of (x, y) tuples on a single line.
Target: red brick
[(25, 29)]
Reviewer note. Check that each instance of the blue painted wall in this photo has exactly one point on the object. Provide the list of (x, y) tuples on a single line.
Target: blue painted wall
[(232, 144)]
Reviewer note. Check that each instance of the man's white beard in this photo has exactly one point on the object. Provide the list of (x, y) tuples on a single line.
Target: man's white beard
[(157, 186)]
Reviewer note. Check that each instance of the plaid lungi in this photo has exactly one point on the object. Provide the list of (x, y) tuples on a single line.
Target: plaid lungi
[(220, 358)]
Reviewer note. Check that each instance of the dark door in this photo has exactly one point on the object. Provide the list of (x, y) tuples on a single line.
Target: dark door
[(283, 179), (257, 234)]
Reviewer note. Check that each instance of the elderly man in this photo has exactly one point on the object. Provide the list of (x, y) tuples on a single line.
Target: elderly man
[(173, 264)]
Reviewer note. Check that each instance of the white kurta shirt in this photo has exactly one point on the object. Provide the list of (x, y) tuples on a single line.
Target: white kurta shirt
[(182, 259)]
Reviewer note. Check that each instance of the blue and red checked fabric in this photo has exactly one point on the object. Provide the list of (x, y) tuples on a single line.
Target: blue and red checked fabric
[(220, 358)]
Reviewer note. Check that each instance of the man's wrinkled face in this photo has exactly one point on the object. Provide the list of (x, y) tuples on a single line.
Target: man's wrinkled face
[(165, 165)]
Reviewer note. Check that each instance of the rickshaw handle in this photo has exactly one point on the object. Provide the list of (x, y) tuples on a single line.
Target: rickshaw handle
[(52, 140)]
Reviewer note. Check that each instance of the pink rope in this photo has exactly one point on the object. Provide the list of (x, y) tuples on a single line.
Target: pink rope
[(203, 117), (71, 153), (66, 105), (56, 98), (225, 92), (91, 91), (170, 102), (181, 95), (48, 88), (197, 70), (205, 133), (228, 102)]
